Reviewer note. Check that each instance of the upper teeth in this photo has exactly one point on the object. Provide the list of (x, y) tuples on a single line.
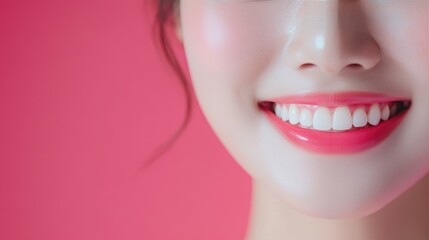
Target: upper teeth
[(340, 118)]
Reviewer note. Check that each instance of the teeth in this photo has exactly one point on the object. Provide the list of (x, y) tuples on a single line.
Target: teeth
[(342, 119), (385, 113), (293, 114), (360, 119), (278, 110), (284, 113), (374, 114), (406, 104), (393, 110), (322, 119), (306, 118)]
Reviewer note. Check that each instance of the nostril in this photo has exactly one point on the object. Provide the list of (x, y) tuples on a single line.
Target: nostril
[(332, 68), (307, 65), (355, 66)]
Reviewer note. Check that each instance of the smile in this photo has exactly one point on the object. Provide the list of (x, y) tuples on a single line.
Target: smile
[(339, 123)]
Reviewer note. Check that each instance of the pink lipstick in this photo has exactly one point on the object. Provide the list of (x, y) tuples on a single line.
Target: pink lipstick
[(336, 123)]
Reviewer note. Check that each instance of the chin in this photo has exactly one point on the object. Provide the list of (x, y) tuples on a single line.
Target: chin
[(345, 206), (350, 213)]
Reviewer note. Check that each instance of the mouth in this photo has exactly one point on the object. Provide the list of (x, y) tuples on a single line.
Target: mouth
[(338, 123)]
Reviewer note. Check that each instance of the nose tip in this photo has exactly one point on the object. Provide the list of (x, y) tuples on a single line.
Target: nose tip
[(336, 40)]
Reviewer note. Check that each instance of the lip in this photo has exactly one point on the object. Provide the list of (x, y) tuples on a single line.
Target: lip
[(337, 99), (347, 142)]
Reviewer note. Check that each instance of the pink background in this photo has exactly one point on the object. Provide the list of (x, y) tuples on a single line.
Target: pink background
[(85, 96)]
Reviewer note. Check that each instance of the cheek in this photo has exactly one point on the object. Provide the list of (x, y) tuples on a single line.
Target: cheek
[(230, 41), (414, 47), (402, 30), (228, 46)]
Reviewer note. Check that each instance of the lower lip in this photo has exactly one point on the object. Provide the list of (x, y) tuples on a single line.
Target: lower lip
[(347, 142)]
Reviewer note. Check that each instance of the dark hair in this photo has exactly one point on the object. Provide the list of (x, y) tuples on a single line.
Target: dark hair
[(166, 10)]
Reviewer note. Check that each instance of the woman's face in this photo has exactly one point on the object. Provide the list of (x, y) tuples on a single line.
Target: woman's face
[(323, 102)]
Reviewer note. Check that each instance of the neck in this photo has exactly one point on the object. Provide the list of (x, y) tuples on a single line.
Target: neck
[(407, 217)]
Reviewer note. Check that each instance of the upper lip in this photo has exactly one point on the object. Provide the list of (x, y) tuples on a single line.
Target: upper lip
[(337, 98)]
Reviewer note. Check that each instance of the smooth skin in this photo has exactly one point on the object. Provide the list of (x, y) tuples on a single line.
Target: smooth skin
[(240, 52)]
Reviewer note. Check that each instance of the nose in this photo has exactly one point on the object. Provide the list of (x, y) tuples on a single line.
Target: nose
[(331, 36)]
